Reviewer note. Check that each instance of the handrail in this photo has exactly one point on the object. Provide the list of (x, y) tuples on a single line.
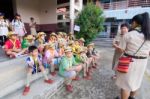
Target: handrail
[(125, 4)]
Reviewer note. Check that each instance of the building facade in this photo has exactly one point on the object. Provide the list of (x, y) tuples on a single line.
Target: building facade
[(119, 11), (50, 15)]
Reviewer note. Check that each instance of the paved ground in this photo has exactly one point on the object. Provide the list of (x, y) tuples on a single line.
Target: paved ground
[(101, 86)]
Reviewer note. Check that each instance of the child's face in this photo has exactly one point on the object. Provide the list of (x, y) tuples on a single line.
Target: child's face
[(76, 43), (30, 40), (35, 52), (90, 47), (69, 54), (14, 37)]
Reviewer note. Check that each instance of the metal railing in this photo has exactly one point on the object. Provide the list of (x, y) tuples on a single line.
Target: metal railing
[(125, 4)]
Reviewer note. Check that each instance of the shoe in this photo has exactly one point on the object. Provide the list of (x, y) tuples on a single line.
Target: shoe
[(131, 97), (117, 97), (114, 77), (94, 67), (49, 81), (87, 77), (26, 91), (69, 88), (77, 78), (88, 73), (53, 73)]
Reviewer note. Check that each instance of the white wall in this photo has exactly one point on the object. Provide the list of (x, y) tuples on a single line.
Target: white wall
[(44, 11), (48, 12), (27, 9)]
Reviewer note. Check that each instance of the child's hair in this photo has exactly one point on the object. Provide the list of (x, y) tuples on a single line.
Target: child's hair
[(32, 48), (125, 25)]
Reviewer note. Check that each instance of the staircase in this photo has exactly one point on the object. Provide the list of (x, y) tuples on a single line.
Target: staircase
[(12, 81)]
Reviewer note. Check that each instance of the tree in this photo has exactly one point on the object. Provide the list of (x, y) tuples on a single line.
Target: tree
[(90, 20)]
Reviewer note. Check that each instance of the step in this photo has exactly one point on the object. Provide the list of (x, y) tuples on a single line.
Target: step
[(39, 89)]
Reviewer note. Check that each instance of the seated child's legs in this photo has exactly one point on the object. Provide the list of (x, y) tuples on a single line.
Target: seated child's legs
[(11, 54), (69, 74), (44, 72)]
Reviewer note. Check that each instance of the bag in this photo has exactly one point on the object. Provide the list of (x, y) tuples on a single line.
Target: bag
[(124, 62)]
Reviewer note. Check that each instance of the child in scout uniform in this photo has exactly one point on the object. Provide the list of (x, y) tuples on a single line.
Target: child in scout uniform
[(61, 49), (50, 58), (12, 46), (34, 62), (72, 45), (92, 54), (27, 41), (82, 58), (77, 46), (53, 39), (71, 36), (40, 41), (81, 41), (68, 68)]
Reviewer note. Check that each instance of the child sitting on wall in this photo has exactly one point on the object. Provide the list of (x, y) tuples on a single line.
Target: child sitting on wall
[(50, 58), (12, 46), (69, 68), (27, 41), (34, 62)]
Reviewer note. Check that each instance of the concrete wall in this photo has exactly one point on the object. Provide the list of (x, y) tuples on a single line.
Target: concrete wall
[(44, 12), (27, 9), (47, 12)]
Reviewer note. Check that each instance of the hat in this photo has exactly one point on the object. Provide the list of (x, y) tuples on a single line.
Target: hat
[(64, 33), (68, 49), (53, 34), (70, 42), (60, 33), (17, 14), (1, 14), (11, 33), (51, 45), (91, 44), (29, 37), (82, 39), (81, 50), (40, 33)]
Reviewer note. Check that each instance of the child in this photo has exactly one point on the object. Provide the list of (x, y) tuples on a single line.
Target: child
[(60, 49), (18, 26), (12, 46), (72, 45), (34, 62), (82, 58), (77, 46), (91, 53), (81, 41), (40, 41), (27, 41), (50, 57), (3, 29), (68, 68)]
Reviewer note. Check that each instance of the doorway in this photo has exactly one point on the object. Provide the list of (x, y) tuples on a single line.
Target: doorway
[(6, 7)]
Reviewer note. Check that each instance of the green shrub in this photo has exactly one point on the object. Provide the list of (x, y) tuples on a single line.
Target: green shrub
[(91, 21)]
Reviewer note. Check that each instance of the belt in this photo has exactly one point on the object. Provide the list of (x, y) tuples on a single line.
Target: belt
[(136, 57)]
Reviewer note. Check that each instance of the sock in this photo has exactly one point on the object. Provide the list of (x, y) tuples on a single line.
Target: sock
[(28, 80), (68, 81), (45, 75)]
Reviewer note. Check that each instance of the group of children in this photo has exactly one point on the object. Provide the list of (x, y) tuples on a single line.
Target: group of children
[(59, 52)]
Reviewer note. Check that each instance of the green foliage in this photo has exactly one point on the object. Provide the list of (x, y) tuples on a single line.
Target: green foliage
[(91, 21)]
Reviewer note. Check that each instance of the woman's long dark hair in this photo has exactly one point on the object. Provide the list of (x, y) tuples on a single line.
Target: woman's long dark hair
[(144, 21)]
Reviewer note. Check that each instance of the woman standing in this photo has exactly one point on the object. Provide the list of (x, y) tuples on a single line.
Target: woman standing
[(131, 81), (124, 29), (33, 26), (18, 26), (4, 24)]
